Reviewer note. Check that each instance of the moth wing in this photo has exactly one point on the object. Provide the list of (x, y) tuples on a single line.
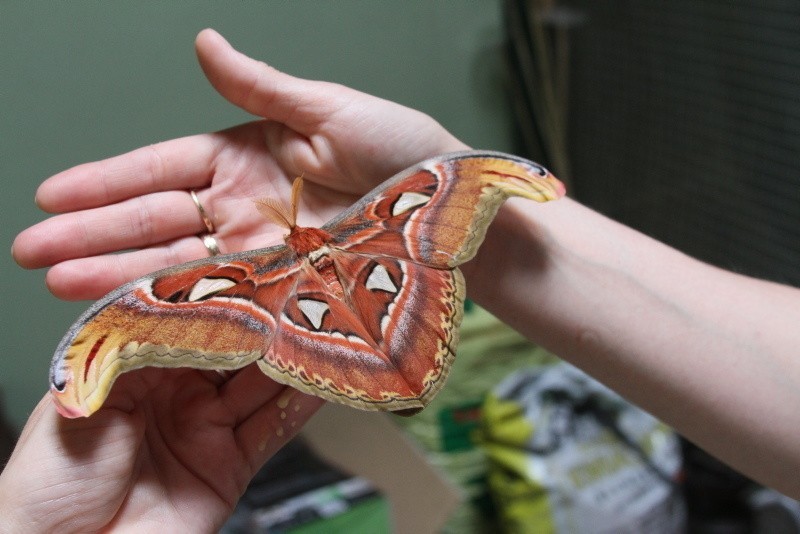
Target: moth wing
[(206, 314), (437, 213), (388, 343)]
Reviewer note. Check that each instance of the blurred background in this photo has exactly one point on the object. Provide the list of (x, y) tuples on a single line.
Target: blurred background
[(679, 118)]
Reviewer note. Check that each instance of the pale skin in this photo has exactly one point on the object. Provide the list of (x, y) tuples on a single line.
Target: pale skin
[(710, 352)]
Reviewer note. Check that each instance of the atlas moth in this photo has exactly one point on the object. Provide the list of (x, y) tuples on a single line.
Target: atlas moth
[(363, 311)]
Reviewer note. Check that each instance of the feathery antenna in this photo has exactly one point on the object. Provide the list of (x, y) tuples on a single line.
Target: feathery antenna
[(278, 212)]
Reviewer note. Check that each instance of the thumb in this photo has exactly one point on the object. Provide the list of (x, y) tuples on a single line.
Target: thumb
[(259, 88), (70, 474)]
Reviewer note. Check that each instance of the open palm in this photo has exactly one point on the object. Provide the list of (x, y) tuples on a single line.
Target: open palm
[(341, 141)]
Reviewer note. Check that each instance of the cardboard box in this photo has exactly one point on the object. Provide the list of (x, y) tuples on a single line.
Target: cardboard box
[(370, 445)]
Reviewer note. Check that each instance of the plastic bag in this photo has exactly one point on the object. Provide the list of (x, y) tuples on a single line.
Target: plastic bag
[(566, 454)]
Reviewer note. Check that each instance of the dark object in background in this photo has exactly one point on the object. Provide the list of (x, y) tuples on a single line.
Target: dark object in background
[(716, 495), (684, 123), (723, 501), (296, 491), (8, 436)]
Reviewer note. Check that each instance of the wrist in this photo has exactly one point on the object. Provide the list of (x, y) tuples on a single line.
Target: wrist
[(9, 520), (508, 271)]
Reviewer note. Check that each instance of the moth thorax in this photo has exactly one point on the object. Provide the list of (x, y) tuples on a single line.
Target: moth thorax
[(326, 269), (306, 240)]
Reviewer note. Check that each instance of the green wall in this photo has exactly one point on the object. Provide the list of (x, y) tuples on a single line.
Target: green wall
[(84, 81)]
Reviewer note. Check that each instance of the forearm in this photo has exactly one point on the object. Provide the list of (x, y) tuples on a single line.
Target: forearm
[(8, 521), (709, 352)]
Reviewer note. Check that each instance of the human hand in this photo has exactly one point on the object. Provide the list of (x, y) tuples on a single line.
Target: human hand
[(170, 447), (179, 446), (342, 141)]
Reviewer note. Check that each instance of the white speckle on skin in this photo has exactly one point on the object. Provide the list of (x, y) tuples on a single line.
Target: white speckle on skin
[(286, 396)]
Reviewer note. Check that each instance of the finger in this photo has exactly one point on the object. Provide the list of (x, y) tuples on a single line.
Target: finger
[(91, 278), (321, 118), (246, 392), (277, 421), (261, 89), (267, 414), (132, 223), (57, 459), (178, 164)]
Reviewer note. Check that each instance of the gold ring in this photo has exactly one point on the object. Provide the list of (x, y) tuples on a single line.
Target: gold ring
[(211, 244), (203, 214)]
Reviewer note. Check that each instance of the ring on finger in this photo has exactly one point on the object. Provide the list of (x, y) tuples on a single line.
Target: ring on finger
[(207, 221), (210, 243)]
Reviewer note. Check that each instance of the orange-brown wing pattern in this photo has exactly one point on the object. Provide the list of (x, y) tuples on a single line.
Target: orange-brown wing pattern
[(437, 213), (364, 311), (200, 315), (387, 346)]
